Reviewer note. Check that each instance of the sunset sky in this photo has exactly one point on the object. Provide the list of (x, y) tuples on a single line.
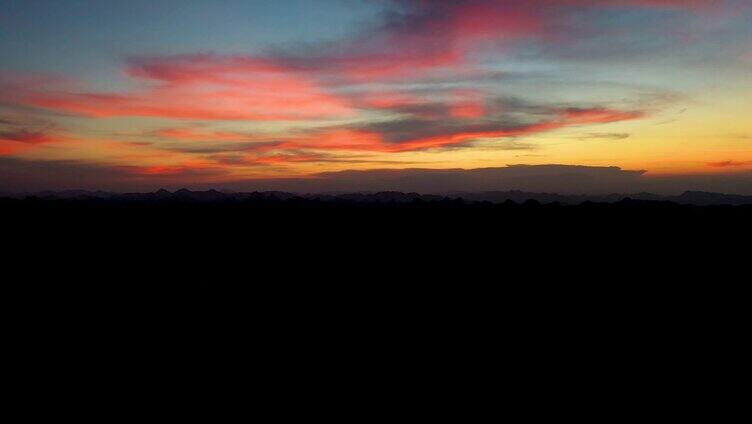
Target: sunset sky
[(209, 91)]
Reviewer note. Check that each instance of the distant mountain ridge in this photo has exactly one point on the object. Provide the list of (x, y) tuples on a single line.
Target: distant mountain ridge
[(185, 195)]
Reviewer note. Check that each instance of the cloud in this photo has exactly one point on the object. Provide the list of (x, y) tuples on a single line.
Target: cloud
[(730, 164), (411, 134), (514, 145), (223, 147), (197, 140), (19, 175), (25, 136), (201, 86), (419, 36), (18, 140), (414, 81), (191, 134), (562, 179), (8, 149), (415, 38), (187, 172), (297, 156), (23, 175), (415, 131), (545, 178), (605, 136)]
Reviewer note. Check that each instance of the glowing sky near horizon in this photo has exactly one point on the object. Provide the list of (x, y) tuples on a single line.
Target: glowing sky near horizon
[(225, 90)]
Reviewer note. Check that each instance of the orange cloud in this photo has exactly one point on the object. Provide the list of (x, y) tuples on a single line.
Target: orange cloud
[(7, 149), (187, 167), (164, 170), (18, 141), (337, 139), (730, 164), (25, 136)]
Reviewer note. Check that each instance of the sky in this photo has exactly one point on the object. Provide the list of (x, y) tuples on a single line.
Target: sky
[(170, 93)]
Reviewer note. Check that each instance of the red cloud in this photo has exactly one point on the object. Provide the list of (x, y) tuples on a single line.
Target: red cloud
[(337, 139), (17, 141), (372, 141), (566, 118), (424, 36), (185, 169), (8, 149), (428, 35), (24, 136), (200, 87), (431, 34)]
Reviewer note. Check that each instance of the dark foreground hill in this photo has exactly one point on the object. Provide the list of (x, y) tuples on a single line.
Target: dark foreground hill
[(384, 246), (503, 264), (297, 280), (379, 233), (400, 214), (184, 195)]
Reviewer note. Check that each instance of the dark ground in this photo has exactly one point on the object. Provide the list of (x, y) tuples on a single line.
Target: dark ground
[(380, 233), (419, 251), (647, 250), (635, 298)]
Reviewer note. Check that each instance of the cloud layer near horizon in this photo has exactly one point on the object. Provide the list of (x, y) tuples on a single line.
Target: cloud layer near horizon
[(561, 179), (448, 82)]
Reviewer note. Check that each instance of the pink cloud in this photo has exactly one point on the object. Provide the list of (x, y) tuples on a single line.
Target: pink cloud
[(429, 35), (373, 141), (469, 104), (566, 118), (426, 36), (198, 87)]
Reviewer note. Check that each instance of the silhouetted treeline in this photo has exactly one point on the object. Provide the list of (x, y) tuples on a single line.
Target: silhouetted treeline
[(456, 256), (184, 195), (389, 229), (337, 213)]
